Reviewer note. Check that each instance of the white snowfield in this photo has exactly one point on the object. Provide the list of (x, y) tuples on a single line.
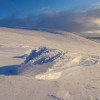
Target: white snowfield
[(39, 65)]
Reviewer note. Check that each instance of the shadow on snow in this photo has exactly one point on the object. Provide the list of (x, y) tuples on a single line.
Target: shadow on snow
[(9, 70)]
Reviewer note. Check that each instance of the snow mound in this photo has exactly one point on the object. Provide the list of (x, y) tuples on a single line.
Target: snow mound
[(48, 64)]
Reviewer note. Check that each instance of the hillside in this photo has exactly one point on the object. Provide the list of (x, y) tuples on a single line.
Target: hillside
[(53, 65)]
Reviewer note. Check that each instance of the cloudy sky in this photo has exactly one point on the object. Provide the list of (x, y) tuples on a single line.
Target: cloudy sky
[(69, 15)]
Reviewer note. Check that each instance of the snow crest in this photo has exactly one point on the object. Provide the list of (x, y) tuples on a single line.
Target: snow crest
[(46, 63)]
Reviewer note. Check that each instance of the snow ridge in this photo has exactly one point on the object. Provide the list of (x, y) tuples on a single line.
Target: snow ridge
[(48, 63)]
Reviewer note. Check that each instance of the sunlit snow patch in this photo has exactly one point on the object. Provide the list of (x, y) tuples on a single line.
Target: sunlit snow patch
[(49, 76)]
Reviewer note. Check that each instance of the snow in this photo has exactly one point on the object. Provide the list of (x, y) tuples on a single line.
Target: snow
[(49, 76), (39, 65)]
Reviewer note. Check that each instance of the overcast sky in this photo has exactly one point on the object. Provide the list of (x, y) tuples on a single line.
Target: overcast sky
[(69, 15)]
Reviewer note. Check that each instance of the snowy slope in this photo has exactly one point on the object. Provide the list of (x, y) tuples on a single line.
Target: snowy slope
[(39, 65)]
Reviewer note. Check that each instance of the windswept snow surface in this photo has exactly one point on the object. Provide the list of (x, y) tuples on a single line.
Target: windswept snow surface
[(39, 65)]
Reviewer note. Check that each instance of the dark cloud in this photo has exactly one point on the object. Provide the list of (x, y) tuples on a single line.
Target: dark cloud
[(16, 22), (70, 21), (67, 21)]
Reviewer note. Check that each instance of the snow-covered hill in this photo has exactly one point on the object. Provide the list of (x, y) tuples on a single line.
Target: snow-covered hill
[(39, 65)]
